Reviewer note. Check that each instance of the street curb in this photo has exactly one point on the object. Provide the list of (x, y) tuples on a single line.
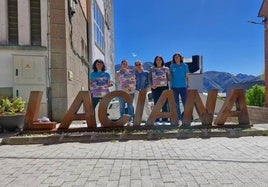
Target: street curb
[(93, 137)]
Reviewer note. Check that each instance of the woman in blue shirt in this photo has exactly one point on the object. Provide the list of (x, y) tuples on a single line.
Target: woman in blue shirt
[(179, 83), (99, 81)]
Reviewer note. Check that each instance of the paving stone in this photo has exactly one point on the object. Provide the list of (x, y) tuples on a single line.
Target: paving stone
[(170, 162)]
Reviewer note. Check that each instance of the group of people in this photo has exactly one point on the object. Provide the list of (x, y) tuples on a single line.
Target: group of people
[(174, 76)]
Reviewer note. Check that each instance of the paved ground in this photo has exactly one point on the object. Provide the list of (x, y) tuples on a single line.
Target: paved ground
[(168, 162)]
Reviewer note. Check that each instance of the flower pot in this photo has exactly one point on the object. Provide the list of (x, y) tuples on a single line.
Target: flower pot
[(12, 122)]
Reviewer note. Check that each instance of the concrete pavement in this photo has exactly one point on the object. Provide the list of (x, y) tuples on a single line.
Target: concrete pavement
[(213, 162)]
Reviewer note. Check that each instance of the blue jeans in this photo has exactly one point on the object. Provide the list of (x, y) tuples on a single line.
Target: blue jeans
[(130, 108), (179, 92)]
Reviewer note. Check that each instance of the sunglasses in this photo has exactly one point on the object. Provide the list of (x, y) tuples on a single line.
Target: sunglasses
[(138, 65)]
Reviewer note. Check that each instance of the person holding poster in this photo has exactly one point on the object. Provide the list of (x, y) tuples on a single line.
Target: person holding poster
[(179, 81), (126, 81), (159, 76), (99, 81)]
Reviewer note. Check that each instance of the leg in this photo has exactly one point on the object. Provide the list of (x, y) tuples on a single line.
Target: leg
[(156, 95), (130, 109), (95, 101), (177, 100), (183, 94), (121, 106)]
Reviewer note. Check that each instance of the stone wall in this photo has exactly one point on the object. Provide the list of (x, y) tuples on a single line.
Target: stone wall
[(258, 114)]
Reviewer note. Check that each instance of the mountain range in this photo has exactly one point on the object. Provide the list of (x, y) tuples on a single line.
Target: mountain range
[(222, 81)]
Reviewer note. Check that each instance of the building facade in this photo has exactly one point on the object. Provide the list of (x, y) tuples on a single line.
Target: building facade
[(49, 46)]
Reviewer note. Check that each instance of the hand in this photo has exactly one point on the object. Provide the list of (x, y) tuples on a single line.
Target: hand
[(166, 69), (122, 71)]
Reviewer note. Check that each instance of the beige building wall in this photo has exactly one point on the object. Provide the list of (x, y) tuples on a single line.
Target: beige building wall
[(21, 85), (66, 53), (69, 66), (3, 22), (24, 22)]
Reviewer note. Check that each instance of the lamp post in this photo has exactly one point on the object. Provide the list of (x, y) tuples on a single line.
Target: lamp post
[(265, 24), (264, 14), (266, 60)]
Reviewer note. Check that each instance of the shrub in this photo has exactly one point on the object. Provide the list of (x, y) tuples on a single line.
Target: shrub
[(11, 106), (255, 96)]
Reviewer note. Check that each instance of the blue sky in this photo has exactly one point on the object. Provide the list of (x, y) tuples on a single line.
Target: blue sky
[(216, 29)]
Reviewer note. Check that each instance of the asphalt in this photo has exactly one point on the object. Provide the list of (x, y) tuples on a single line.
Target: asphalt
[(232, 160)]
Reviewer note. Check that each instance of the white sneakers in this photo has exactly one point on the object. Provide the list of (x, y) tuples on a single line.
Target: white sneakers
[(157, 123), (129, 123)]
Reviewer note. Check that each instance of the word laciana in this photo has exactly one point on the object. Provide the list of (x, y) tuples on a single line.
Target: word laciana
[(234, 106)]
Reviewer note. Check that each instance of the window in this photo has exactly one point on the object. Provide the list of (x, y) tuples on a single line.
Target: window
[(12, 22), (35, 22), (98, 27)]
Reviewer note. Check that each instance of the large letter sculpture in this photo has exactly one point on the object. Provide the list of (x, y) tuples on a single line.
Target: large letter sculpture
[(236, 97), (166, 96), (83, 97), (104, 120), (205, 113)]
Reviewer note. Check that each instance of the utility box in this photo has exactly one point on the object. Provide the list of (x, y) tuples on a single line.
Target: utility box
[(29, 74), (29, 70)]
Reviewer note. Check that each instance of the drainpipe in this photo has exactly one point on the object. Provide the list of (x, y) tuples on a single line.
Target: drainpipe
[(49, 101), (266, 60)]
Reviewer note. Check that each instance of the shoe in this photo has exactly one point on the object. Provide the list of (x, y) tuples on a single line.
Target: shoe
[(180, 123), (157, 123), (129, 123), (165, 123)]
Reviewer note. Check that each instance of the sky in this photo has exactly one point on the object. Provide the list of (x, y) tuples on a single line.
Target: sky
[(218, 30)]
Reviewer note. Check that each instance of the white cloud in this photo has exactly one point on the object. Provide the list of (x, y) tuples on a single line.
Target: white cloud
[(134, 54)]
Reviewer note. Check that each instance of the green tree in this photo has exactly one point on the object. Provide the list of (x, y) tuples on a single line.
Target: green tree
[(255, 96)]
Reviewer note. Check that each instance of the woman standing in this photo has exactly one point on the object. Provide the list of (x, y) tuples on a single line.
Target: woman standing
[(159, 75), (179, 81), (99, 81), (126, 81)]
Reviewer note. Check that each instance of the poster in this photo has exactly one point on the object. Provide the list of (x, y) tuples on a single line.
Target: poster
[(127, 80), (159, 77), (100, 87)]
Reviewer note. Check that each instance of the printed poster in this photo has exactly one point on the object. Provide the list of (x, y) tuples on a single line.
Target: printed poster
[(159, 77), (100, 87), (127, 80)]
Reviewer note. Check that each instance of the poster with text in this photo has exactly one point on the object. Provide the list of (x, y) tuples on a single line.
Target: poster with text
[(159, 77), (127, 80), (100, 87)]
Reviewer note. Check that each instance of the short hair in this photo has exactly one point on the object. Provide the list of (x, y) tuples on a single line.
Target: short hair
[(162, 63), (124, 60), (98, 61), (137, 61)]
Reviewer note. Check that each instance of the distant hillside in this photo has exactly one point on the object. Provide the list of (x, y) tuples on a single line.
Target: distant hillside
[(223, 80), (218, 80)]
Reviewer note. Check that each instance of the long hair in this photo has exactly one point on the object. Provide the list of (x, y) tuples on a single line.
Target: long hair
[(162, 63)]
